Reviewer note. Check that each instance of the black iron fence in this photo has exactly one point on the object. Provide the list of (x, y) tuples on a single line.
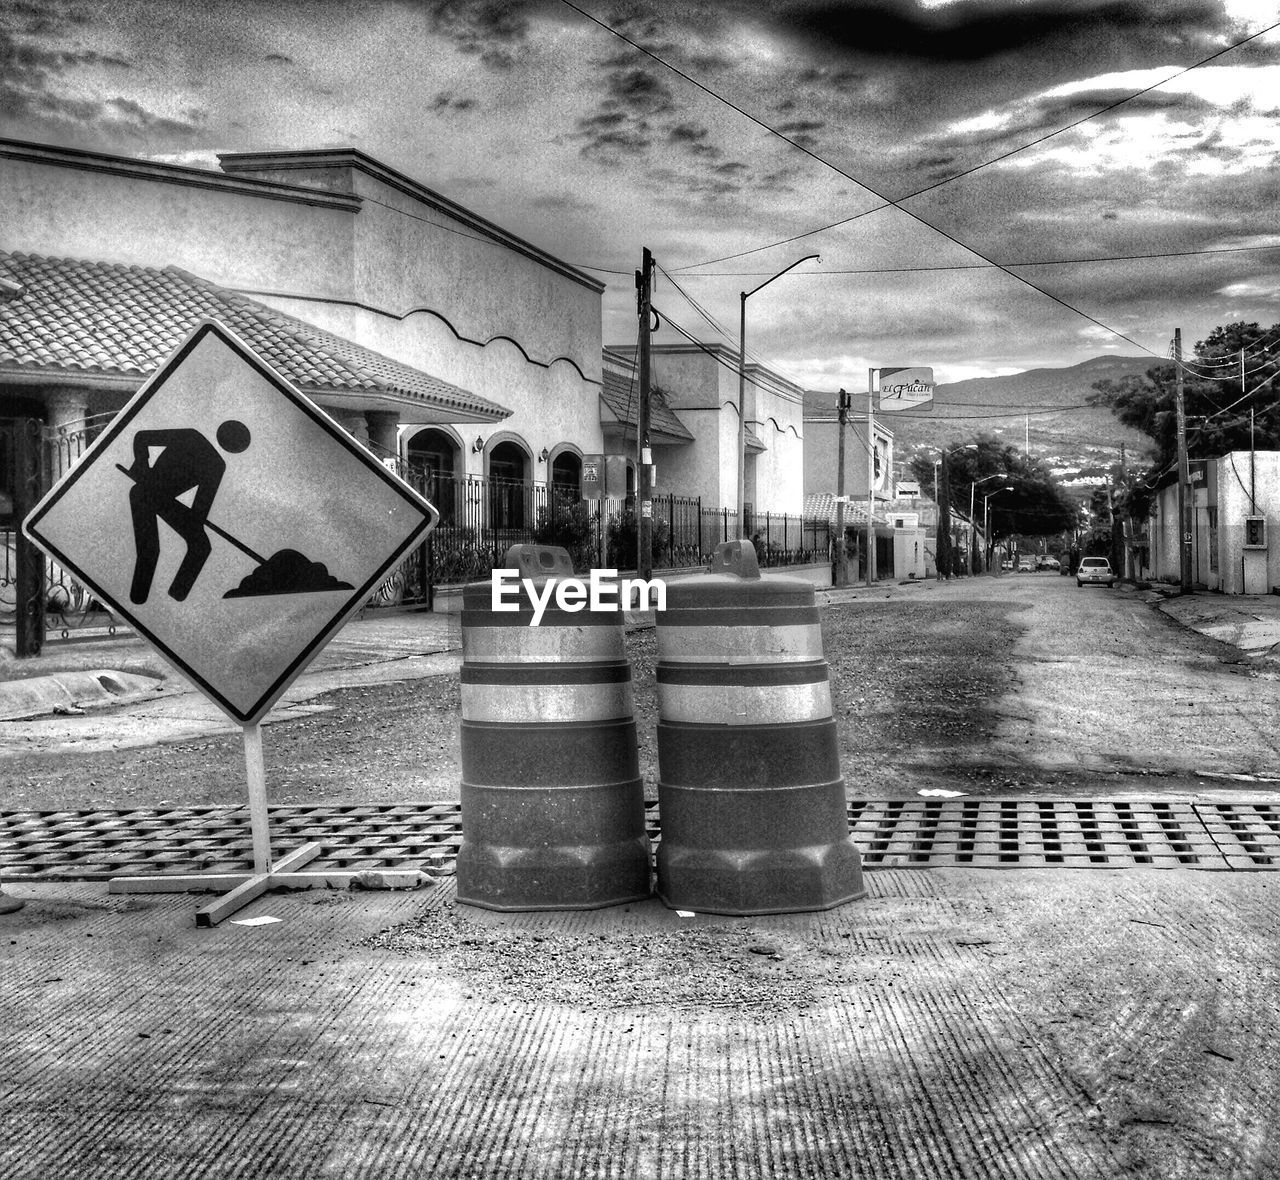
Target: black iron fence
[(480, 519), (38, 597)]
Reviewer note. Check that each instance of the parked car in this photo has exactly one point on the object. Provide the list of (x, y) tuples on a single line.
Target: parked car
[(1095, 571), (1026, 565), (1046, 562)]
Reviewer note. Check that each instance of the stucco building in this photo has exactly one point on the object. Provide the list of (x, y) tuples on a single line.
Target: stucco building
[(698, 383), (1235, 525), (339, 241)]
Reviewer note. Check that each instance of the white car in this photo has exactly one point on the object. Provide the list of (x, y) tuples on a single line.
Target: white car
[(1095, 571)]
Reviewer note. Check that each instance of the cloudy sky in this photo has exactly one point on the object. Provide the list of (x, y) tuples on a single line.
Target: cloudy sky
[(733, 138)]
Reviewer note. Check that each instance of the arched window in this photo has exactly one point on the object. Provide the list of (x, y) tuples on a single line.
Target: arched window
[(435, 468), (509, 487), (565, 479), (566, 476)]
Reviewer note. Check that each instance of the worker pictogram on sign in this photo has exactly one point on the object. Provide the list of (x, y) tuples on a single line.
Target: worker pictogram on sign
[(231, 521)]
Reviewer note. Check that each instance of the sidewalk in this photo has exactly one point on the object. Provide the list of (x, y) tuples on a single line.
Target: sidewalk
[(68, 675), (1251, 623)]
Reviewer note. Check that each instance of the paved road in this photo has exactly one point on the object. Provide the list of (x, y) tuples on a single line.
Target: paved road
[(1106, 683)]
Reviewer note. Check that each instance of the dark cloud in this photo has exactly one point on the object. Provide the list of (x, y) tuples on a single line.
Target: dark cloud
[(129, 116), (801, 132), (690, 138), (32, 89), (495, 31), (947, 155), (623, 126), (446, 100), (976, 30)]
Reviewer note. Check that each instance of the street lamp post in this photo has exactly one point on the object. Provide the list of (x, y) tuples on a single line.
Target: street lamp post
[(974, 484), (742, 385), (986, 534)]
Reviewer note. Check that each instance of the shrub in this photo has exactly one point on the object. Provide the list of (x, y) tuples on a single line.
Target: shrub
[(621, 541)]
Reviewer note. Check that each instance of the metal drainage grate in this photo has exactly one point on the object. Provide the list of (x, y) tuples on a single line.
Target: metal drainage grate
[(94, 845), (1247, 833), (981, 833), (1020, 833)]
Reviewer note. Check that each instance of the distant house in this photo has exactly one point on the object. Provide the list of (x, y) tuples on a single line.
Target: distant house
[(1235, 526), (821, 473), (699, 384)]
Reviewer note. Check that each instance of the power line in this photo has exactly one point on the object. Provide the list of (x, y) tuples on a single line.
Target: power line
[(701, 344), (884, 270), (936, 184), (862, 183)]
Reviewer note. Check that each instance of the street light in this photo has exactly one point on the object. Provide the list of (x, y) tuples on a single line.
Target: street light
[(941, 457), (974, 484), (986, 535), (742, 384)]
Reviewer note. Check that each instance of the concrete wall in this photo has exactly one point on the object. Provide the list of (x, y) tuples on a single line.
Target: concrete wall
[(822, 458), (1231, 481), (1248, 571)]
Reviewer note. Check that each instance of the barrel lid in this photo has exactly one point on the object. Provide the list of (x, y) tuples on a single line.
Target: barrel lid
[(734, 579), (535, 562)]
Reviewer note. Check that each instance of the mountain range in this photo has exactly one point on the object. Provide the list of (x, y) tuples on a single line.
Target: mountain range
[(1045, 411)]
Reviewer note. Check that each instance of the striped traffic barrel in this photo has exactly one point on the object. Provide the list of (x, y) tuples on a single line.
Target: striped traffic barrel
[(552, 800), (750, 795)]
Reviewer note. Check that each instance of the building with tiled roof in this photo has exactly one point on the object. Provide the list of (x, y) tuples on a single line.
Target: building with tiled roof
[(102, 328), (438, 335), (699, 385)]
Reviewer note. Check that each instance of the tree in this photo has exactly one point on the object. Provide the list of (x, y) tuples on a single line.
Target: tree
[(1228, 389), (1037, 506)]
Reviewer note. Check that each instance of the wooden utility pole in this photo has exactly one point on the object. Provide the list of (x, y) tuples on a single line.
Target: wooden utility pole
[(942, 545), (1185, 500), (1119, 550), (842, 554), (871, 478), (644, 493)]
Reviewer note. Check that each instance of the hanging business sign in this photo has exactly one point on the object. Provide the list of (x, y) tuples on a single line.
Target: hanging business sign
[(905, 389)]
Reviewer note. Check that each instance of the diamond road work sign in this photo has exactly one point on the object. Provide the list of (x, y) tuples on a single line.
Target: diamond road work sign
[(231, 521)]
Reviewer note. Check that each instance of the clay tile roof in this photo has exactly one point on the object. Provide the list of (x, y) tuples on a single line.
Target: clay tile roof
[(112, 319), (618, 393), (822, 506)]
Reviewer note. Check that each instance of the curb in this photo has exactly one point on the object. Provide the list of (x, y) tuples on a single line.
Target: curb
[(72, 692)]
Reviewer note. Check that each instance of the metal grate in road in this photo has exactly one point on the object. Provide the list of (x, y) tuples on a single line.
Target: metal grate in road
[(973, 833), (1019, 833), (1247, 833), (96, 845)]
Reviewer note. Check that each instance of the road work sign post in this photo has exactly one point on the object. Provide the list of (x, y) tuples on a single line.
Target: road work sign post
[(236, 527)]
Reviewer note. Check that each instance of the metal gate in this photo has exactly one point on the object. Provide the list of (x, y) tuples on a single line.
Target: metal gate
[(39, 598)]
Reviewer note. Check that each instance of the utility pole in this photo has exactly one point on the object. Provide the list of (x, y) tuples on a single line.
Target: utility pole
[(842, 555), (644, 493), (871, 478), (942, 546), (1185, 502), (1119, 550)]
